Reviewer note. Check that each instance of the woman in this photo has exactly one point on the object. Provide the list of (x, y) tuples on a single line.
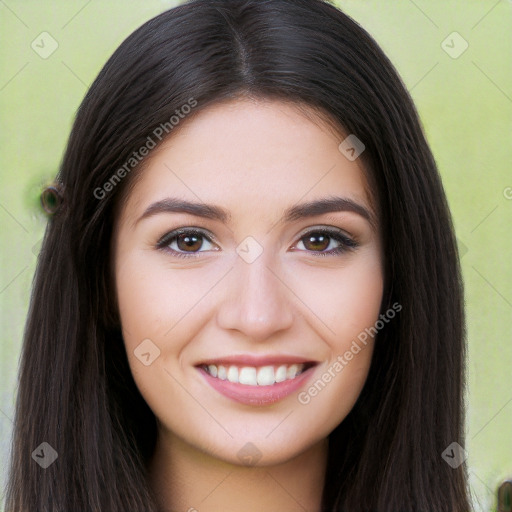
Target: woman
[(308, 352)]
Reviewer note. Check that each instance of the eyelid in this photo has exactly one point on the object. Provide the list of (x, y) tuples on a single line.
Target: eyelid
[(349, 242), (162, 241), (329, 229)]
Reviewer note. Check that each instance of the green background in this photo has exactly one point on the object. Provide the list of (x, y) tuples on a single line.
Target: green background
[(465, 104)]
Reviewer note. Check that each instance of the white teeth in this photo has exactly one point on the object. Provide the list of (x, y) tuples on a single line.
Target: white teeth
[(233, 374), (251, 376), (221, 372), (281, 373), (247, 376), (266, 376), (292, 371)]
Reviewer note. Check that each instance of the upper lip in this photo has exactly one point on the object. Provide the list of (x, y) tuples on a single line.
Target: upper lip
[(257, 360)]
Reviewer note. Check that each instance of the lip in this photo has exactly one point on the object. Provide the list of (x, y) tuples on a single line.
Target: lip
[(254, 360), (256, 395)]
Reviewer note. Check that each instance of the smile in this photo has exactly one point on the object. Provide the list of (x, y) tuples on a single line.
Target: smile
[(255, 376), (260, 383)]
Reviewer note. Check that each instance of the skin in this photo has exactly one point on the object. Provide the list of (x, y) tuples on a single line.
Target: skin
[(254, 158)]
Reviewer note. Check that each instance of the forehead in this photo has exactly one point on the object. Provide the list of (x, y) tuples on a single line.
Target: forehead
[(258, 156)]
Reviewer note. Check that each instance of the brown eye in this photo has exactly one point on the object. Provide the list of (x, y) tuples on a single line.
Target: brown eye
[(316, 241), (185, 242), (327, 242), (189, 243)]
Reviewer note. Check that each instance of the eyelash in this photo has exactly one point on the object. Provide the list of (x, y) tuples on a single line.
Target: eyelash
[(346, 243)]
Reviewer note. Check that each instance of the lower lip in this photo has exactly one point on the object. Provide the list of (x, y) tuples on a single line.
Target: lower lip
[(256, 395)]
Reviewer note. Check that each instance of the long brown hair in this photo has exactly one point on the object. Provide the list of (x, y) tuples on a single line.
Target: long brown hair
[(76, 391)]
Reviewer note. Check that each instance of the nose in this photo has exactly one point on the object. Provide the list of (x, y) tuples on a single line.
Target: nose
[(257, 300)]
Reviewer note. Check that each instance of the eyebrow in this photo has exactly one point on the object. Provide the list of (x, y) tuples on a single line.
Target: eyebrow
[(296, 212)]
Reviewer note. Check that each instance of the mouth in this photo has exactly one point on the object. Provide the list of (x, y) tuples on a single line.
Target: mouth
[(253, 381), (256, 376)]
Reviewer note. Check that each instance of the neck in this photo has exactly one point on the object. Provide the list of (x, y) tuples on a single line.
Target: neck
[(185, 479)]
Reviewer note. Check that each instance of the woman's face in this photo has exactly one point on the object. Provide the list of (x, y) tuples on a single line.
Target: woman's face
[(242, 295)]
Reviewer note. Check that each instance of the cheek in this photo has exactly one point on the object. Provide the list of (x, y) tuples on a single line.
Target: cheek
[(142, 299), (345, 300), (348, 302), (153, 305), (161, 309), (153, 299)]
